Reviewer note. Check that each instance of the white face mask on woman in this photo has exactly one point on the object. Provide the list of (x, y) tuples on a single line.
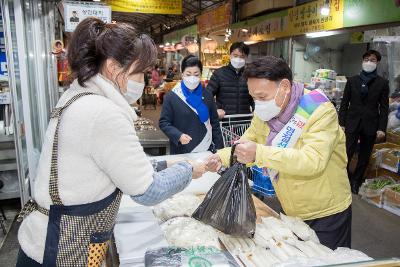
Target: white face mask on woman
[(134, 91), (191, 82), (267, 110)]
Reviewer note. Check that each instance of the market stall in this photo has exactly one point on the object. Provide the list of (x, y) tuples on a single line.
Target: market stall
[(289, 241)]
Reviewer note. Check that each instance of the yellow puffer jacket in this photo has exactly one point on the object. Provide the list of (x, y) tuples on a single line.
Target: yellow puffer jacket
[(313, 179)]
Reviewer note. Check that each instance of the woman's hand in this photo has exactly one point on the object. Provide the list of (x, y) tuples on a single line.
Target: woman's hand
[(221, 113), (185, 139), (199, 168), (213, 163)]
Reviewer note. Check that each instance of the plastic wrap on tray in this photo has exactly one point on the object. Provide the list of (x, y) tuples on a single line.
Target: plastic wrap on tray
[(197, 256), (187, 232), (300, 228), (179, 205), (237, 245)]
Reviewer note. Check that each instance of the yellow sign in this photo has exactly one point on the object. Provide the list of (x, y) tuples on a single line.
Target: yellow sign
[(147, 6), (307, 18), (267, 29), (214, 20), (291, 22)]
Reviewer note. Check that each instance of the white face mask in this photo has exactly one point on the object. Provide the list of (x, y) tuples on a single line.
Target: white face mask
[(238, 62), (368, 66), (267, 110), (191, 82), (134, 91)]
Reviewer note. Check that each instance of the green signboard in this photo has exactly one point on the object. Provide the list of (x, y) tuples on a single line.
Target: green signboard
[(367, 12), (176, 36)]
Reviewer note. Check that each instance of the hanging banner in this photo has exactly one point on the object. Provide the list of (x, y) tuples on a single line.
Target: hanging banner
[(307, 18), (214, 20), (291, 22), (75, 13), (173, 7), (367, 12), (176, 36), (270, 27)]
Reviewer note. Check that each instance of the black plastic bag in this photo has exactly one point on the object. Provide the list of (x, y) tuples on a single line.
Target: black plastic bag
[(229, 206)]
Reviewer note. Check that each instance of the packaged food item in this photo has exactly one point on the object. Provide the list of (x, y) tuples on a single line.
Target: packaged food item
[(179, 205), (276, 228), (187, 232), (299, 228), (260, 257), (183, 257), (237, 245)]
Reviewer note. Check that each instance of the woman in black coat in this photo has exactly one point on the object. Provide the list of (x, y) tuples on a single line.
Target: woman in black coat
[(189, 116)]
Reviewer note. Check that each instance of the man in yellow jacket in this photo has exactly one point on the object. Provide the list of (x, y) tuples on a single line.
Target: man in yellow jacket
[(310, 177)]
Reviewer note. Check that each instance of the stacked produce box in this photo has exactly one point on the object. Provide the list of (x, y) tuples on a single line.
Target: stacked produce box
[(383, 187)]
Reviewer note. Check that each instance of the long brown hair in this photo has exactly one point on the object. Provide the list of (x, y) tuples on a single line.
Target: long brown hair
[(93, 42)]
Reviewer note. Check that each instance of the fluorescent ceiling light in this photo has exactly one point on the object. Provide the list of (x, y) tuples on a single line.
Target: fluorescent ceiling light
[(250, 42), (319, 34), (207, 38), (325, 10)]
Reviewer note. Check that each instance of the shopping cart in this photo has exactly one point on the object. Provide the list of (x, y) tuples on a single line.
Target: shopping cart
[(233, 127)]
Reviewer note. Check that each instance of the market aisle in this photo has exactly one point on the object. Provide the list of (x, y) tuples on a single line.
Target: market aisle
[(375, 231)]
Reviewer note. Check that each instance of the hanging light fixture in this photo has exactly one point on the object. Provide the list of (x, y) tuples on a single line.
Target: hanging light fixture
[(207, 38)]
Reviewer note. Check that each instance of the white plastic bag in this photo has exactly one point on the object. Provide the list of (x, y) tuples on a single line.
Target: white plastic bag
[(187, 232), (179, 205)]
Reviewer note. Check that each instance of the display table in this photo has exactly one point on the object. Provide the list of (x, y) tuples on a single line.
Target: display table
[(129, 216), (154, 142)]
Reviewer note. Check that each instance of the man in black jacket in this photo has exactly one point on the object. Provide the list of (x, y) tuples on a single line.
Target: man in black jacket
[(364, 113), (228, 85)]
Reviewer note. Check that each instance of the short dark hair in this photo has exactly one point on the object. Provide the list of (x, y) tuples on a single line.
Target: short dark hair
[(270, 68), (191, 61), (93, 42), (243, 48), (372, 52)]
